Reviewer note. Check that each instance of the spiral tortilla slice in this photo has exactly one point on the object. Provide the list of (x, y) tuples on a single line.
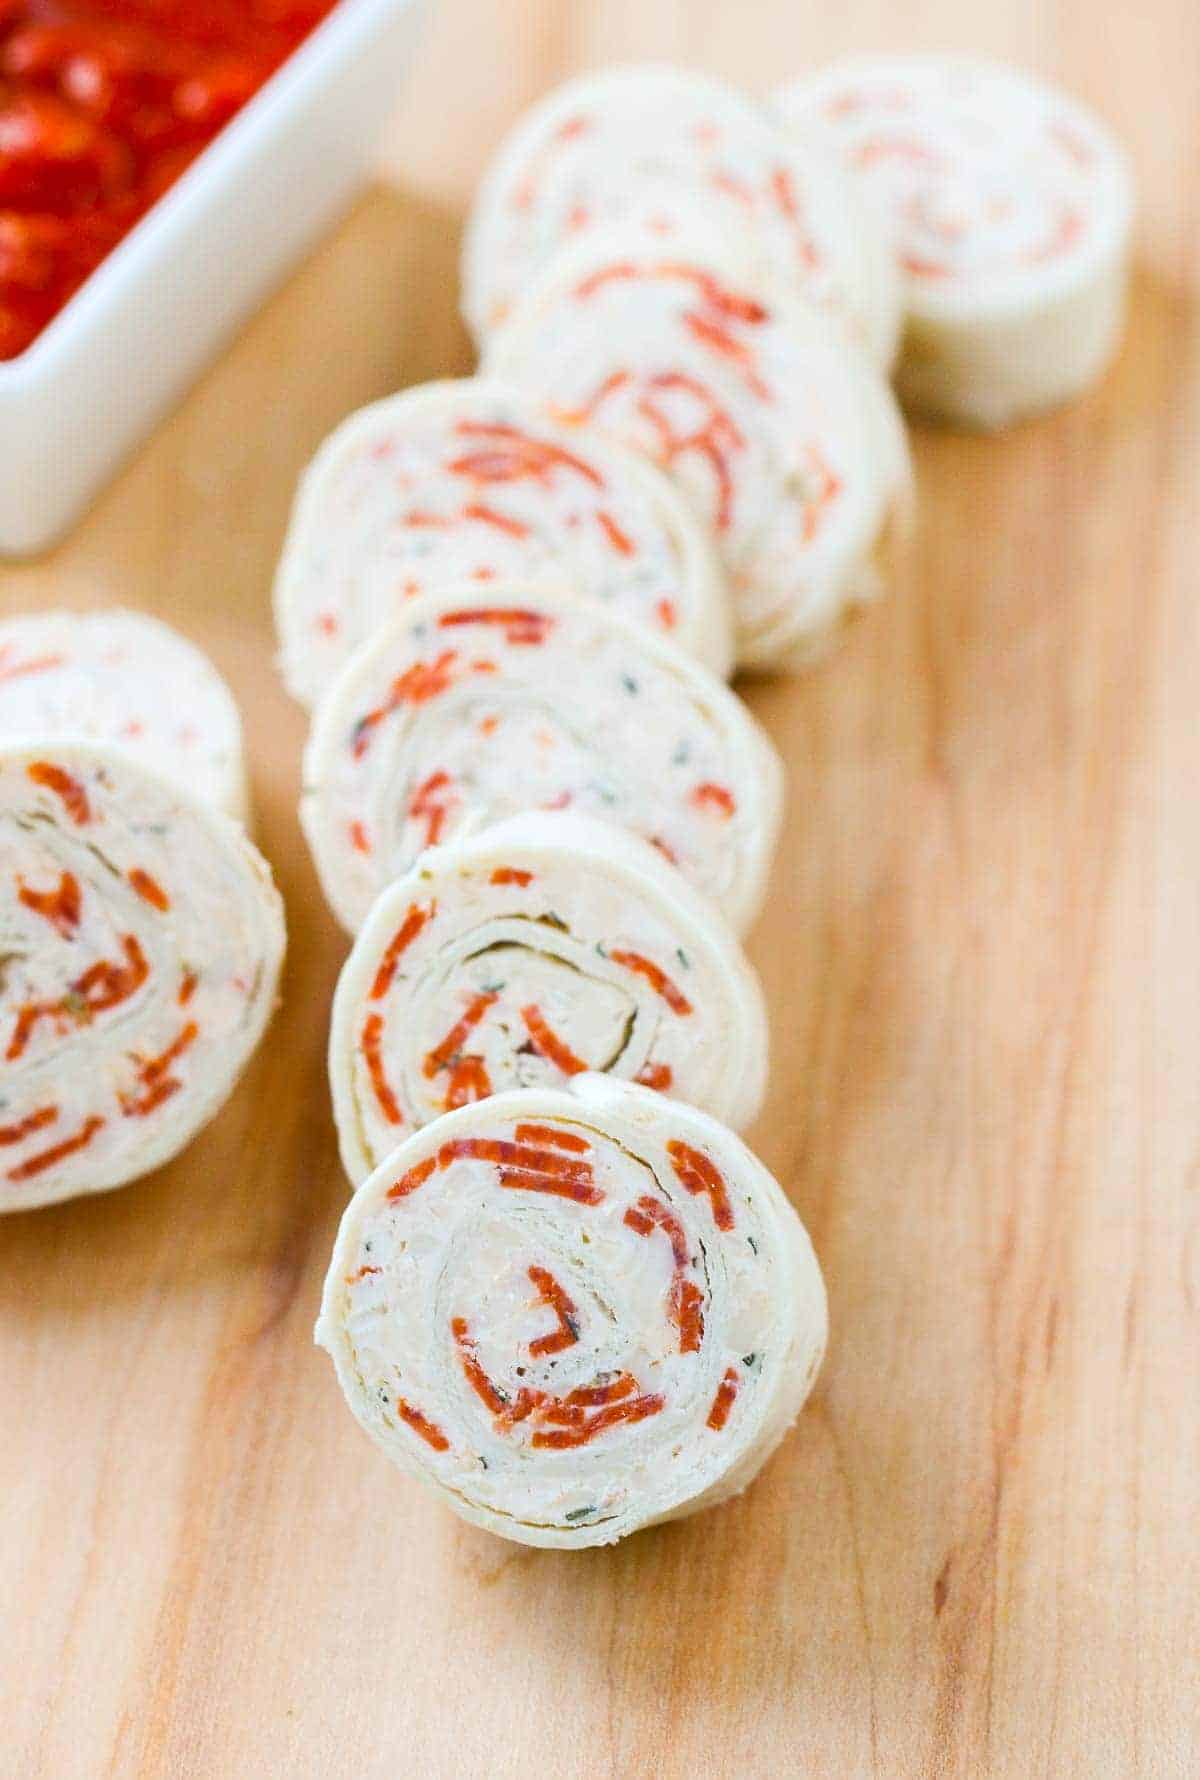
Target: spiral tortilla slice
[(1010, 208), (476, 705), (574, 1314), (140, 944), (123, 678), (654, 148), (548, 945), (472, 481), (785, 440)]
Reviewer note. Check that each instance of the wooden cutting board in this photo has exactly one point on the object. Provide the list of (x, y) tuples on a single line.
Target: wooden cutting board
[(977, 1556)]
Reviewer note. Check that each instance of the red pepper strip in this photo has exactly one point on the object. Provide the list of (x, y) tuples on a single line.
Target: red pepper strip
[(420, 1424), (423, 681), (614, 381), (551, 1293), (61, 906), (521, 625), (620, 269), (403, 937), (668, 853), (783, 190), (593, 1396), (657, 978), (717, 295), (149, 890), (511, 874), (517, 455), (16, 670), (711, 333), (416, 1177), (716, 797), (154, 1077), (718, 1415), (114, 983), (58, 780), (667, 614), (515, 528), (555, 1136), (634, 1410), (658, 1076), (358, 838), (372, 1049), (548, 1044), (700, 1175), (48, 1158), (620, 540), (829, 489), (442, 1053), (649, 1214), (425, 805), (352, 1279), (187, 987), (469, 1081), (535, 1165), (507, 1413), (918, 267), (686, 1307), (34, 1121)]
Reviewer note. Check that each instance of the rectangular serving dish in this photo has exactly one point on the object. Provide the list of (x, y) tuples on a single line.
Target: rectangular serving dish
[(132, 338)]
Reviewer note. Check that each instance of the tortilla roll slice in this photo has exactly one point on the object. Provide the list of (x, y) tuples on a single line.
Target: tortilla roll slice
[(473, 481), (783, 438), (656, 148), (124, 678), (141, 939), (548, 945), (1010, 208), (479, 704), (574, 1314)]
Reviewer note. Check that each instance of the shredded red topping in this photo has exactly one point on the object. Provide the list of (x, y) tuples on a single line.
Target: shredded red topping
[(34, 1121), (443, 1052), (715, 797), (48, 1158), (149, 889), (620, 540), (154, 1076), (372, 1050), (718, 1415), (102, 986), (511, 455), (548, 1044), (555, 1136), (511, 874), (61, 907), (656, 1075), (428, 806), (422, 681), (527, 1167), (403, 937), (416, 1177), (657, 978), (420, 1424), (552, 1294), (699, 1174), (521, 624), (61, 782), (467, 1082)]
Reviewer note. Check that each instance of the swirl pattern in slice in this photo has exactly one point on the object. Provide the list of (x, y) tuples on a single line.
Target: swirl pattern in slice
[(123, 678), (574, 1314), (472, 481), (787, 443), (1009, 206), (656, 149), (546, 946), (479, 705), (140, 944)]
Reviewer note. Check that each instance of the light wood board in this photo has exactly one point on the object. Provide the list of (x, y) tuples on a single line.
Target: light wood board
[(977, 1556)]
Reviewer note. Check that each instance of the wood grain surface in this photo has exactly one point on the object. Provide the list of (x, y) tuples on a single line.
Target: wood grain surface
[(977, 1556)]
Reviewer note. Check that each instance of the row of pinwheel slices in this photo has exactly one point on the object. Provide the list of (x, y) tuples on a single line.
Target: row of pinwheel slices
[(574, 1305), (141, 936)]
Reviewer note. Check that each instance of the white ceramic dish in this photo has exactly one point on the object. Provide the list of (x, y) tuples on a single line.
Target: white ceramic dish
[(133, 337)]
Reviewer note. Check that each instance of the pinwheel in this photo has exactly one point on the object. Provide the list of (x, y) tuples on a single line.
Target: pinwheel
[(543, 947), (480, 704), (574, 1314), (654, 148), (784, 439), (140, 945), (472, 481), (122, 677), (1009, 206)]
